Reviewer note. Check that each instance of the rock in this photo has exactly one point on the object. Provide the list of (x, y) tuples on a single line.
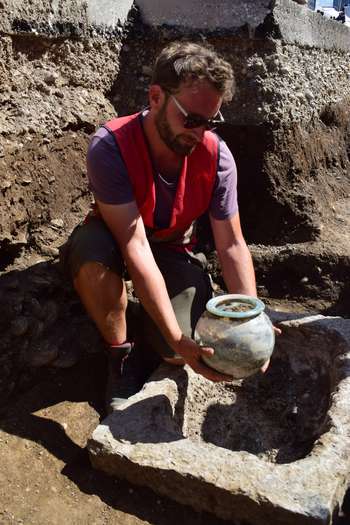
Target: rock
[(244, 452), (14, 304), (57, 223), (49, 312), (34, 307), (67, 358), (51, 78), (5, 184), (19, 326), (25, 180), (50, 251), (36, 328), (147, 71), (42, 354), (44, 280)]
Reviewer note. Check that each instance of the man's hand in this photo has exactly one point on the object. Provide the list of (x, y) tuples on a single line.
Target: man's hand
[(191, 353), (265, 366)]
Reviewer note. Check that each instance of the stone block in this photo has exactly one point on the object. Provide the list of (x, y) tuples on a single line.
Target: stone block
[(201, 14), (108, 12), (272, 448)]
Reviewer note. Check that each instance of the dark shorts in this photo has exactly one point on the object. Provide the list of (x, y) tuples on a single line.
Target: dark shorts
[(189, 286)]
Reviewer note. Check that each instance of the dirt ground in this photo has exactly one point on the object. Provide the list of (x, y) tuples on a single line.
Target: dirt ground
[(45, 474)]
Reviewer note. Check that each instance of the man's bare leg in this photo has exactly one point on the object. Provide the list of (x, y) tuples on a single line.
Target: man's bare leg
[(103, 294)]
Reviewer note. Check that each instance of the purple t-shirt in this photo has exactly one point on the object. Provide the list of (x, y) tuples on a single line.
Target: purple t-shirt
[(110, 183)]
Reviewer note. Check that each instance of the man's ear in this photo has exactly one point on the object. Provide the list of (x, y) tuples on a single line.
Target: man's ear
[(156, 96)]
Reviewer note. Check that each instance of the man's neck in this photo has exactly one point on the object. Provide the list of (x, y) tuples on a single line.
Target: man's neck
[(166, 161)]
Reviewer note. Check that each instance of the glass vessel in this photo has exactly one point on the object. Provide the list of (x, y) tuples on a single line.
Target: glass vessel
[(240, 333)]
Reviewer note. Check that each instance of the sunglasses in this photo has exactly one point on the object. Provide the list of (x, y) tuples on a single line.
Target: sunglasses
[(193, 120)]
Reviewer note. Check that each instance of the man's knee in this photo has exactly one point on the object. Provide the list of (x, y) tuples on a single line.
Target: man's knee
[(103, 284), (89, 273)]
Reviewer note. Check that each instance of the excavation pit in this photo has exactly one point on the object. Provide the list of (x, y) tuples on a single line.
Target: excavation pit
[(268, 449)]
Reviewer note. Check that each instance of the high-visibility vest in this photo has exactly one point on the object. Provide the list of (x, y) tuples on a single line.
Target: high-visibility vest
[(195, 183)]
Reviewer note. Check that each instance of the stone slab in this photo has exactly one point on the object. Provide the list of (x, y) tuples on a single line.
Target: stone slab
[(51, 16), (108, 12), (156, 439), (287, 20), (283, 19), (204, 14), (299, 25)]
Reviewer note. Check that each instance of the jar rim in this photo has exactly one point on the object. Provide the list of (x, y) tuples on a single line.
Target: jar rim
[(215, 306)]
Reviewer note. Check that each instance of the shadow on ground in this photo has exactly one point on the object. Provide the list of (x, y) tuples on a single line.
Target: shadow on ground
[(84, 385)]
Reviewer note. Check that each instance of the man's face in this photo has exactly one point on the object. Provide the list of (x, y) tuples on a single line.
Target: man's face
[(199, 98)]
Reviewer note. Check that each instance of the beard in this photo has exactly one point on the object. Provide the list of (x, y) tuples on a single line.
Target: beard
[(179, 144)]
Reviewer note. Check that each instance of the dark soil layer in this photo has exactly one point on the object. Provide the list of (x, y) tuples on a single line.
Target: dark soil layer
[(289, 178), (43, 195)]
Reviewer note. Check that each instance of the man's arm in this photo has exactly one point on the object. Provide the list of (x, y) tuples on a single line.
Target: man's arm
[(234, 256), (126, 225), (235, 259)]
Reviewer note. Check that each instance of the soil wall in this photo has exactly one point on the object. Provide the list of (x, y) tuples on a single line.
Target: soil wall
[(66, 66)]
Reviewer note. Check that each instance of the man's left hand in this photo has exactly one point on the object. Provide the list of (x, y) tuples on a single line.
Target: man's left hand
[(265, 366)]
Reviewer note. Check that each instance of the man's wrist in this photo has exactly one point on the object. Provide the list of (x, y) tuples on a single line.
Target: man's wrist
[(175, 340)]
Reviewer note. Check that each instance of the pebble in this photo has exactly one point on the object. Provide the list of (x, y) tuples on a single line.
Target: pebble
[(5, 184), (309, 94), (57, 223), (50, 251), (147, 70), (34, 307), (51, 78), (50, 312), (304, 280), (42, 354), (19, 326), (65, 359), (36, 328)]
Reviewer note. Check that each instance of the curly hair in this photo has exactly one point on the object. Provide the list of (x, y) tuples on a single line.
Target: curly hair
[(185, 62)]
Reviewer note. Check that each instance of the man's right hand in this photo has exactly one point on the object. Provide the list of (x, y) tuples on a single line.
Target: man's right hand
[(191, 353)]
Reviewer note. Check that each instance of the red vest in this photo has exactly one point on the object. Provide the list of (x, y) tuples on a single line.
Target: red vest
[(195, 184)]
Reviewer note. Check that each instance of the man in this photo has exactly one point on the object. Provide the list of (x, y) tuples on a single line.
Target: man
[(152, 175)]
